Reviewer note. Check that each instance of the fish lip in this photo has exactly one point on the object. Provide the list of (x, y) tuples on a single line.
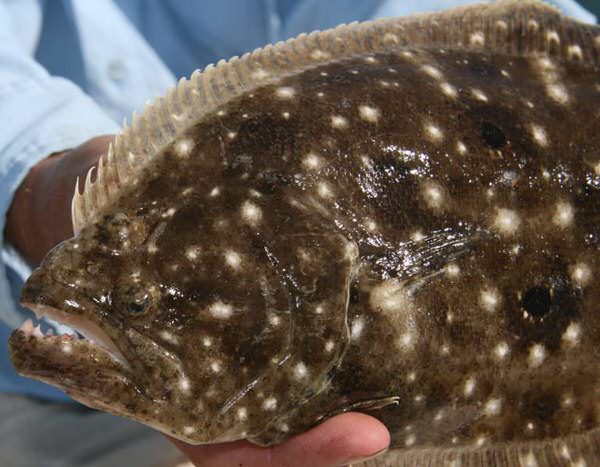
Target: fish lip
[(92, 332)]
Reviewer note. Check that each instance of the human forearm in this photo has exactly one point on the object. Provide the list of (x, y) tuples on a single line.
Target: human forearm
[(40, 214)]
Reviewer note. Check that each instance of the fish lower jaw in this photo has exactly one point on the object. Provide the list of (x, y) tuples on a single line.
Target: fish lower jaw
[(83, 329)]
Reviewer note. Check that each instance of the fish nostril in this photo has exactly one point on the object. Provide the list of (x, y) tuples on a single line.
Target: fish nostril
[(537, 301), (492, 135)]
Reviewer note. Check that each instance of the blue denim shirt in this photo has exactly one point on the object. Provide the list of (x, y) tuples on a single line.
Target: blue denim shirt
[(73, 69)]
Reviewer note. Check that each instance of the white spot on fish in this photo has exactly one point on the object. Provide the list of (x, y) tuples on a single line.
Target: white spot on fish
[(369, 114), (285, 92), (285, 115), (215, 366), (169, 337), (233, 259), (572, 334), (220, 310), (312, 162), (564, 214), (539, 135), (67, 347), (452, 270), (214, 192), (357, 328), (537, 355), (432, 71), (187, 191), (493, 407), (448, 89), (270, 403), (489, 299), (188, 430), (389, 297), (506, 222), (192, 253), (433, 195), (581, 274), (501, 350), (461, 148), (169, 212), (184, 147), (407, 341), (300, 371), (324, 190), (557, 92), (231, 134), (184, 384), (206, 341), (370, 225), (417, 236), (434, 133), (469, 387), (242, 413), (329, 345), (251, 213), (410, 440), (479, 95), (339, 122)]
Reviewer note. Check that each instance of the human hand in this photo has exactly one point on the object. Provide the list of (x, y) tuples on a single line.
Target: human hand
[(40, 214), (344, 439)]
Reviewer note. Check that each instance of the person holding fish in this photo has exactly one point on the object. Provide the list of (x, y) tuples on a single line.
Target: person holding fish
[(68, 71)]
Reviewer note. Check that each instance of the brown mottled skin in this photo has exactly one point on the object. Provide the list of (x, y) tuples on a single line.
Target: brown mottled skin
[(386, 291)]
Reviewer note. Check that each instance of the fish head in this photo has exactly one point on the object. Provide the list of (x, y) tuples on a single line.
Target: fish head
[(202, 344)]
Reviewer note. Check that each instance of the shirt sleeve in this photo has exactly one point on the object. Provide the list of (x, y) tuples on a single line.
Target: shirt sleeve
[(40, 115)]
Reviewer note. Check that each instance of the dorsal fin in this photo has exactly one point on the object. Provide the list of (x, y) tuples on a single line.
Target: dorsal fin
[(576, 450), (512, 27)]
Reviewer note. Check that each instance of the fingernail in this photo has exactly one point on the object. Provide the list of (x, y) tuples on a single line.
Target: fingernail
[(358, 460)]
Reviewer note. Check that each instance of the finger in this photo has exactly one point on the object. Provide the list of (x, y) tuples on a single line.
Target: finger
[(341, 440)]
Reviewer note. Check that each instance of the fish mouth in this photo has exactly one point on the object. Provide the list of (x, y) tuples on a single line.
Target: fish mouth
[(86, 364), (85, 330)]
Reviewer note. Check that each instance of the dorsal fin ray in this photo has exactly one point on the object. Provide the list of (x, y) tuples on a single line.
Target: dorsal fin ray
[(513, 27)]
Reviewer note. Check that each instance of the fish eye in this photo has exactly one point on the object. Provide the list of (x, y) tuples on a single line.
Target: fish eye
[(138, 301)]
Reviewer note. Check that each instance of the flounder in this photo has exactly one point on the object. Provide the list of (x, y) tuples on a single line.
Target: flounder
[(399, 217)]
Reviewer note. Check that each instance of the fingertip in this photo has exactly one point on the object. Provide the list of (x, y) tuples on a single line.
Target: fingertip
[(361, 436), (340, 440)]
